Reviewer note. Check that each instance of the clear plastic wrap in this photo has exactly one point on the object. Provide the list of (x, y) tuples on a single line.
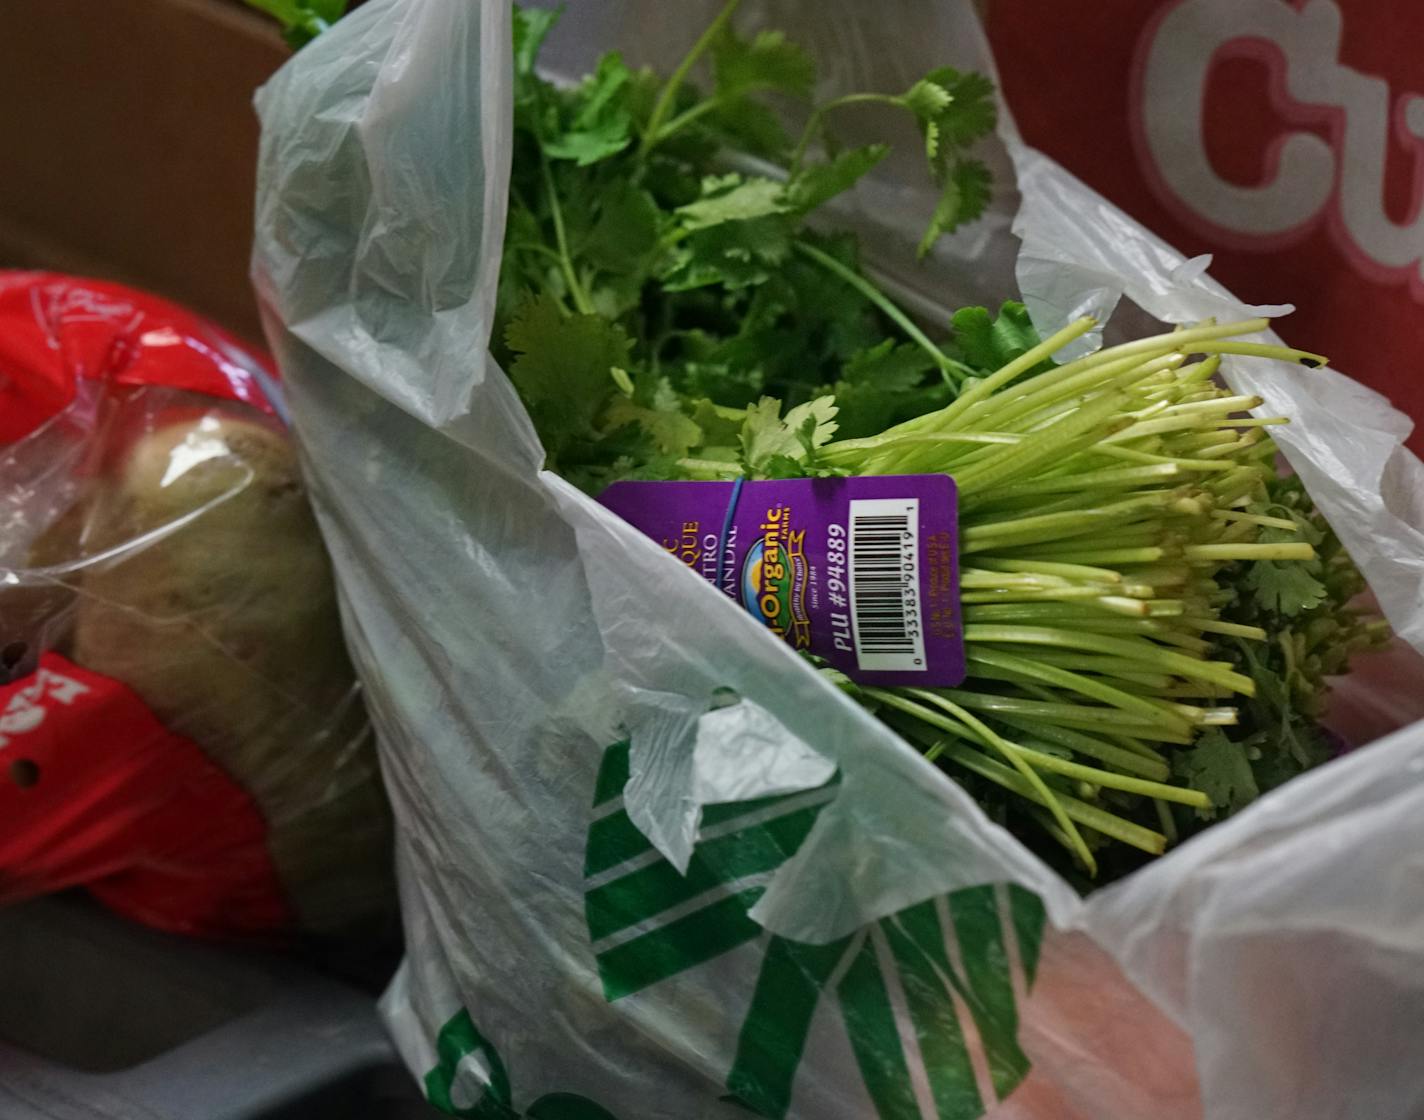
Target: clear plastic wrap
[(183, 732)]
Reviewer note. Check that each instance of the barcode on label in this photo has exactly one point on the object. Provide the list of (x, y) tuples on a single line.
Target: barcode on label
[(884, 576)]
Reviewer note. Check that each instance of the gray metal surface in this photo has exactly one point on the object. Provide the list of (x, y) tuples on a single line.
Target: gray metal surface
[(103, 1020)]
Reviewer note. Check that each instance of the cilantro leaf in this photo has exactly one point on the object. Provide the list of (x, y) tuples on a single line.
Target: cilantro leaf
[(1306, 747), (820, 182), (965, 196), (671, 432), (719, 425), (562, 368), (885, 384), (626, 231), (888, 366), (750, 127), (1287, 588), (731, 198), (1220, 769), (927, 98), (301, 20), (990, 344), (736, 254), (766, 438), (768, 61), (764, 435), (814, 423), (602, 124), (531, 28), (954, 109), (970, 114)]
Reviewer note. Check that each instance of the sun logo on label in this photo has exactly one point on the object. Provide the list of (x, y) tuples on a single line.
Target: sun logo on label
[(774, 581), (753, 585), (927, 997)]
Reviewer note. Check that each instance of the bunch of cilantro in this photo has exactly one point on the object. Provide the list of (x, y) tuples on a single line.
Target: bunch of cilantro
[(635, 244), (666, 309)]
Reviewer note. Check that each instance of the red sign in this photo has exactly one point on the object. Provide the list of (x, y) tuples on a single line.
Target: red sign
[(1285, 137)]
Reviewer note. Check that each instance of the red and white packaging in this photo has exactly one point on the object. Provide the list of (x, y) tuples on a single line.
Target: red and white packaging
[(1283, 137)]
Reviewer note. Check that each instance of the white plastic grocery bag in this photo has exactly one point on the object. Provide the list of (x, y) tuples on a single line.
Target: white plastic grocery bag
[(653, 866)]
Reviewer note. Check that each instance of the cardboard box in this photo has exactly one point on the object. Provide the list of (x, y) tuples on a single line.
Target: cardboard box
[(128, 144)]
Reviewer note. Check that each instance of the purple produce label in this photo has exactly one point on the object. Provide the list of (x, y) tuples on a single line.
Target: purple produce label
[(863, 572)]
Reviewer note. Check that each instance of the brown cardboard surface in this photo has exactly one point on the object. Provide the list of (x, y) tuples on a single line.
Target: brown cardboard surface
[(128, 143)]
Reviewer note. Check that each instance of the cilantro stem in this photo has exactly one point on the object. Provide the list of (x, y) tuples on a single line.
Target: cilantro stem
[(534, 247), (566, 264), (1263, 350), (1256, 519), (1088, 815), (814, 121), (710, 466), (1135, 455), (1073, 681), (1165, 818), (1138, 649), (682, 120), (1093, 746), (946, 364), (1096, 775), (1074, 432), (966, 724), (986, 387), (1072, 715), (1285, 551), (664, 104)]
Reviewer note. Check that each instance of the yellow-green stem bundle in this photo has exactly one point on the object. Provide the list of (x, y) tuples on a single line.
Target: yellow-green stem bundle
[(1098, 500)]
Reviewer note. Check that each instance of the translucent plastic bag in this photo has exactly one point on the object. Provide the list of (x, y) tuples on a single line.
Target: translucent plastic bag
[(651, 864), (182, 731)]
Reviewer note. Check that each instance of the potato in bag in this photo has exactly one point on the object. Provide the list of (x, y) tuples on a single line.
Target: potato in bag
[(218, 609)]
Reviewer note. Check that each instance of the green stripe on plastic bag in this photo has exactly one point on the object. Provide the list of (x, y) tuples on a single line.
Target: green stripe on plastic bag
[(875, 1036), (778, 1021), (903, 998), (729, 858), (1028, 928), (470, 1069), (470, 1080), (937, 1028), (647, 921)]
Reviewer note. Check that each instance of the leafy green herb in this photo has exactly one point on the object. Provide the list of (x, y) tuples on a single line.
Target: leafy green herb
[(1221, 769), (564, 370), (1287, 589), (768, 439), (1310, 632), (987, 342), (820, 182), (301, 20), (622, 204), (598, 127), (669, 315)]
